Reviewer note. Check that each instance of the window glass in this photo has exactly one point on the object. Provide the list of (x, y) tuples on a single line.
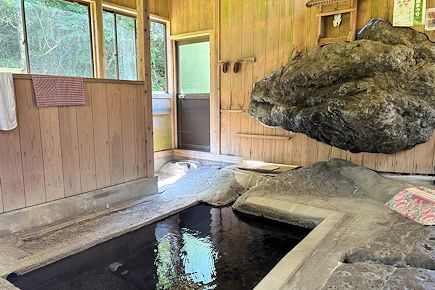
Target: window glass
[(194, 67), (109, 45), (126, 40), (59, 38), (12, 52), (158, 56)]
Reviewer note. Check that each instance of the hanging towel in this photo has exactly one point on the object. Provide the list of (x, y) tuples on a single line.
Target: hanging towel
[(8, 113), (52, 91)]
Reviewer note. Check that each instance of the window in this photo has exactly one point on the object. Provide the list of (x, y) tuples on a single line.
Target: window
[(58, 37), (12, 52), (120, 46), (158, 56)]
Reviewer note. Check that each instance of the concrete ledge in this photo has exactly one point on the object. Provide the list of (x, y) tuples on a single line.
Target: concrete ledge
[(75, 206), (289, 265), (5, 285)]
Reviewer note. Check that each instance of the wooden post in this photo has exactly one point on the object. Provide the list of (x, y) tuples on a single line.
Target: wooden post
[(215, 114), (98, 39), (144, 74)]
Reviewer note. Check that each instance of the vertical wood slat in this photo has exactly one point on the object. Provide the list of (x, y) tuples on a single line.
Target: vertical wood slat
[(85, 133), (424, 157), (52, 153), (31, 144), (11, 171), (1, 198), (284, 47), (101, 135), (225, 78), (140, 133), (128, 133), (247, 74), (70, 150), (271, 64), (259, 68), (404, 161), (114, 120), (236, 98), (214, 83)]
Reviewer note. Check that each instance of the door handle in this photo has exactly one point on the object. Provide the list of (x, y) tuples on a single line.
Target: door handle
[(181, 96)]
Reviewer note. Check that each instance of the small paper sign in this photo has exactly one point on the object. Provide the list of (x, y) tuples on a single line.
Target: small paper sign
[(430, 19), (409, 12)]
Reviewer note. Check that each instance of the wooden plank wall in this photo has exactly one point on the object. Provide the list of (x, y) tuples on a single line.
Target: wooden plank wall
[(273, 31), (192, 15), (157, 7), (160, 8), (58, 152)]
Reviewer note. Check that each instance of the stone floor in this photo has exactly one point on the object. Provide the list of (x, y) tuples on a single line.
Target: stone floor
[(25, 252), (371, 248)]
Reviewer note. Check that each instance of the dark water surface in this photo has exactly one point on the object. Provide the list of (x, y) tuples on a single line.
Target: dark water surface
[(200, 248)]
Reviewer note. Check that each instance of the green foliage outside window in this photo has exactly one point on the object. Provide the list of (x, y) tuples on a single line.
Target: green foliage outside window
[(59, 41), (109, 45), (158, 56), (120, 46), (126, 37), (59, 38), (12, 54)]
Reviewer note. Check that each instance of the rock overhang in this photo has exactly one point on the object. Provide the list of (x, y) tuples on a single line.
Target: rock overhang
[(376, 94)]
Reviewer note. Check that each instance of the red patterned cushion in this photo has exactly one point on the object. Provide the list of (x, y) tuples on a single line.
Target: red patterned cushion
[(415, 203)]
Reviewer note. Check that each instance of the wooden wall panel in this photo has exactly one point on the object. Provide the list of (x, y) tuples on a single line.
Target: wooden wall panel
[(85, 133), (157, 7), (11, 171), (191, 15), (275, 31), (57, 152), (70, 150), (101, 136), (52, 153), (128, 133), (115, 133), (160, 8), (140, 147), (1, 199), (31, 144)]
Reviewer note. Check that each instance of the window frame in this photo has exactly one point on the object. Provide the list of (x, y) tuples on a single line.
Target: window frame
[(167, 60), (93, 16), (24, 33), (116, 12)]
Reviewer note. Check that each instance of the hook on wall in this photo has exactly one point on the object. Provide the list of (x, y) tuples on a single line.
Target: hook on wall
[(238, 64), (225, 65), (236, 67)]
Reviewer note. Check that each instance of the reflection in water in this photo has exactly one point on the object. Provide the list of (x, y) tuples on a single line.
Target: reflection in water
[(201, 248), (212, 248)]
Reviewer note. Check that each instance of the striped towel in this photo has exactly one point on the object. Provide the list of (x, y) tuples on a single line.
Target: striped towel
[(415, 203), (52, 91)]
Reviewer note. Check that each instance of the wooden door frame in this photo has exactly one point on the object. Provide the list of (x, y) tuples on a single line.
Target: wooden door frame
[(214, 90)]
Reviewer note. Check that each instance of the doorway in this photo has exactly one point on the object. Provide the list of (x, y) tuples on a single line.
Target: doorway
[(193, 93)]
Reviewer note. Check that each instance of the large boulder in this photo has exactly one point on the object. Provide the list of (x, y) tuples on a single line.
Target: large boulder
[(376, 94)]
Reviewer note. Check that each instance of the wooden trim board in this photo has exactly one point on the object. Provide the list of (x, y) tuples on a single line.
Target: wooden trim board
[(207, 156)]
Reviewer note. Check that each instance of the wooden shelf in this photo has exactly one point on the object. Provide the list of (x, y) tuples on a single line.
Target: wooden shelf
[(329, 40), (335, 12), (269, 137)]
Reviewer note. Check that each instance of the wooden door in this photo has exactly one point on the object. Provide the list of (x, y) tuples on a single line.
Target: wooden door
[(193, 98)]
